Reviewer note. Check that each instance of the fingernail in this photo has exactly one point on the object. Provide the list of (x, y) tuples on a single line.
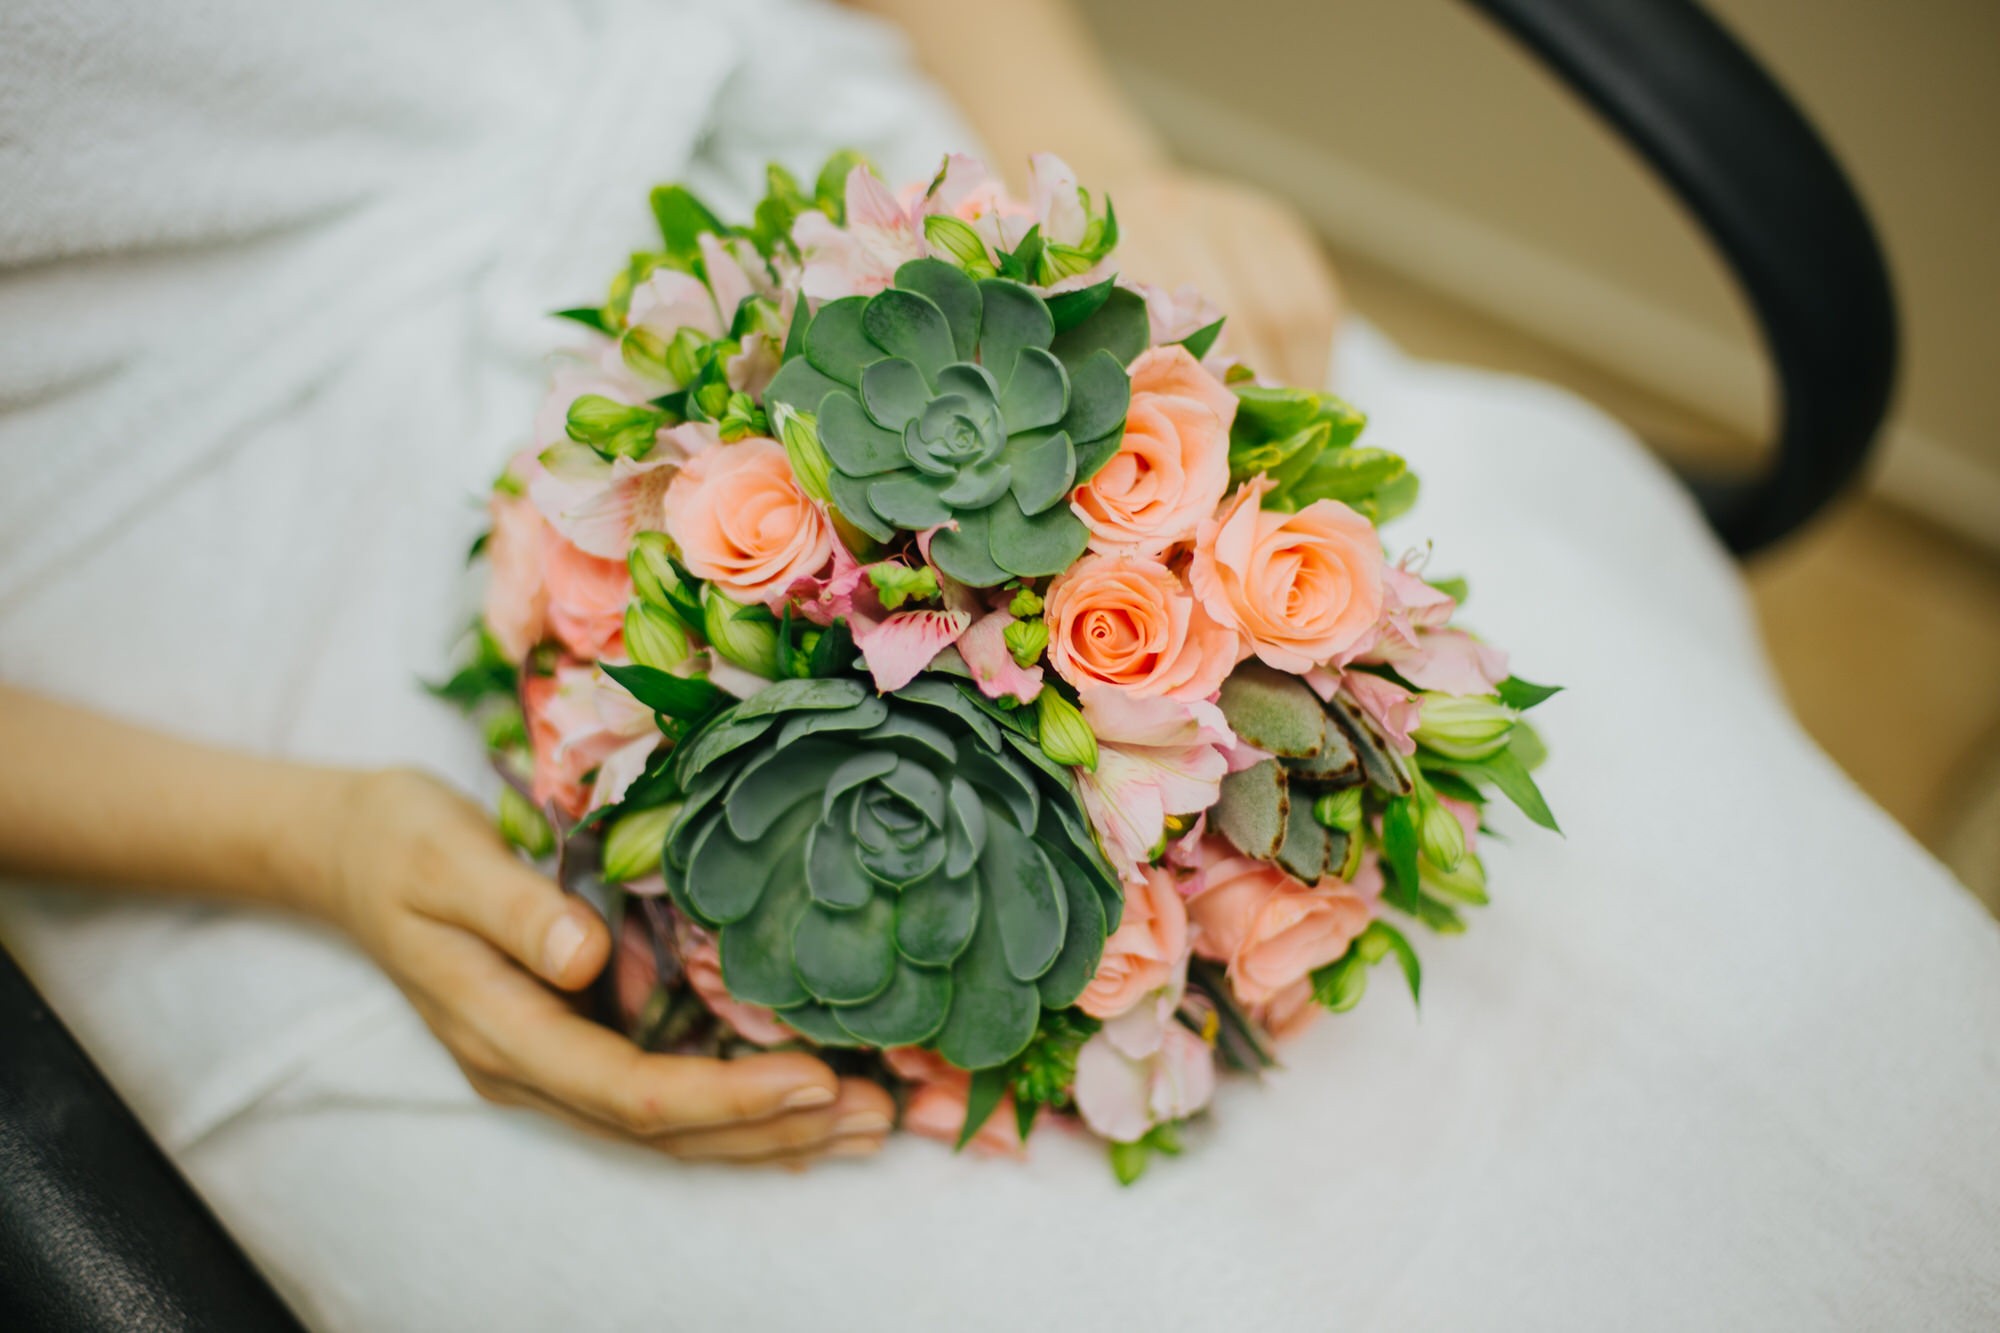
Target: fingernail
[(862, 1122), (565, 938), (854, 1147), (805, 1099)]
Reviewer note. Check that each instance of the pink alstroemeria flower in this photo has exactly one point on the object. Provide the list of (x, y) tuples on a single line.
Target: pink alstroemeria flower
[(994, 670), (1393, 709), (1133, 1075), (1155, 757), (903, 643), (1449, 661), (581, 721), (862, 257)]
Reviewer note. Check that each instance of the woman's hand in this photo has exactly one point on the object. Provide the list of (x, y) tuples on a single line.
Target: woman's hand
[(1247, 251), (476, 940)]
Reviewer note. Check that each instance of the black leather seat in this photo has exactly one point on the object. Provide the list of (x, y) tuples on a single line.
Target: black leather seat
[(97, 1229)]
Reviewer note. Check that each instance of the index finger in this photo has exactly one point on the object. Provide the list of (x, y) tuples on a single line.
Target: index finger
[(600, 1074)]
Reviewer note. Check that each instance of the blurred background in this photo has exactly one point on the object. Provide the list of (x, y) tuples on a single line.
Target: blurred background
[(1478, 214)]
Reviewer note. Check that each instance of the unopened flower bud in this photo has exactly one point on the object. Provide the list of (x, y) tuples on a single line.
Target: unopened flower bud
[(1026, 639), (1465, 727), (633, 844), (1339, 809), (645, 354), (654, 637), (896, 584), (1026, 603), (653, 574), (954, 240), (799, 433), (1440, 837), (612, 428), (1466, 882), (523, 825), (740, 419), (740, 633), (506, 728), (1066, 737)]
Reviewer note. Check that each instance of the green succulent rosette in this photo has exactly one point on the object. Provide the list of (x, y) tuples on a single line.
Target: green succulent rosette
[(971, 406), (889, 870)]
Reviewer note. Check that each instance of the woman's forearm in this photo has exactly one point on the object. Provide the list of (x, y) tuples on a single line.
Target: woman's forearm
[(1029, 78), (87, 798)]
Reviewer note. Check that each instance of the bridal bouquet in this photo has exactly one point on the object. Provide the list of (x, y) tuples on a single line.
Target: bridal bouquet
[(934, 649)]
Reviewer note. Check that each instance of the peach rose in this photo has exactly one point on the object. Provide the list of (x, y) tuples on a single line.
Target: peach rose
[(587, 597), (517, 598), (1128, 621), (936, 1105), (1148, 950), (1272, 931), (742, 522), (1300, 588), (1172, 466), (1289, 1012)]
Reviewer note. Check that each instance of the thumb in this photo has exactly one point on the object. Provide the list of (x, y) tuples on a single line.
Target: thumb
[(484, 888)]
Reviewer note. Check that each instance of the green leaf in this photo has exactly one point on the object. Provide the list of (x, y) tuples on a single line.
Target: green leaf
[(687, 698), (1307, 850), (591, 317), (1400, 820), (1014, 318), (910, 326), (1130, 1160), (1120, 327), (846, 957), (963, 552), (1510, 776), (1406, 957), (1202, 339), (993, 1013), (1340, 985), (894, 392), (1273, 710), (1030, 903), (857, 446), (1069, 309), (1523, 695), (1099, 394), (1036, 392), (910, 500), (935, 919), (830, 187), (908, 1013), (981, 1100), (1043, 465), (1033, 545), (953, 293), (836, 343), (1251, 811), (1024, 1117), (683, 218)]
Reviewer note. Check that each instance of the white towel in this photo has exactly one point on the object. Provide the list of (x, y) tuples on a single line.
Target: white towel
[(1727, 1057), (273, 310)]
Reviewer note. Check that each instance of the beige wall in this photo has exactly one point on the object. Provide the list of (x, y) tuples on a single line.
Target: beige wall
[(1415, 134)]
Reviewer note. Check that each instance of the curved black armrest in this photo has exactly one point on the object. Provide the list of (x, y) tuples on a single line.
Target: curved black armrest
[(1742, 158), (97, 1229)]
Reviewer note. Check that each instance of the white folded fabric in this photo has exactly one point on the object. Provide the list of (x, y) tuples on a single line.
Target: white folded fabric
[(1728, 1056)]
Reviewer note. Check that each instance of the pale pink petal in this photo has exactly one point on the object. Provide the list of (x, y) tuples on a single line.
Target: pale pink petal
[(1183, 1075), (1056, 200), (621, 768), (1113, 1093), (601, 514), (669, 301), (1389, 706), (1452, 662), (899, 646), (727, 281), (994, 670)]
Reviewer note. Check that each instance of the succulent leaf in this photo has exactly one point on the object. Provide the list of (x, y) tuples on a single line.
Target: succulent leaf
[(888, 870)]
